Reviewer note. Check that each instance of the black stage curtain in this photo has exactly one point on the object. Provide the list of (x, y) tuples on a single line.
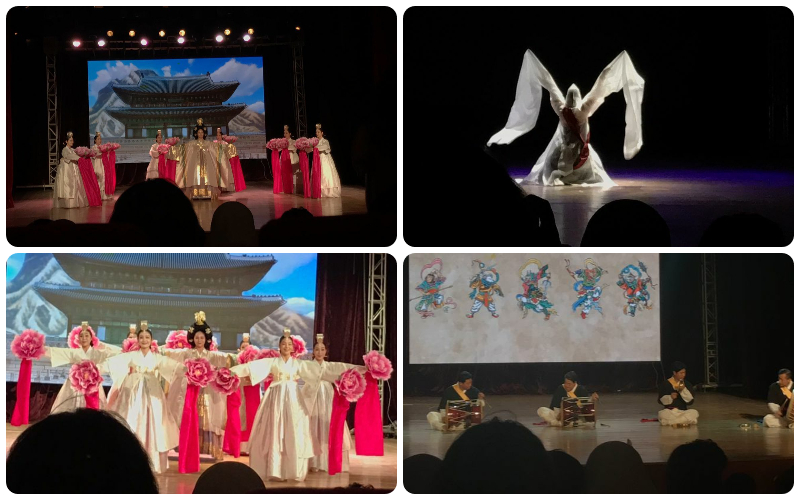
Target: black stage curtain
[(340, 314), (9, 137), (755, 310)]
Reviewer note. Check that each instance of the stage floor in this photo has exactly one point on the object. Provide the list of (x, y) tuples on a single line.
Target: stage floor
[(33, 204), (619, 419), (689, 200), (380, 472)]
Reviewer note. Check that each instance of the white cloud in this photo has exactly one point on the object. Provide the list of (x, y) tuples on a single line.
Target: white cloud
[(186, 72), (257, 106), (300, 305), (310, 315), (287, 263), (167, 70), (249, 76), (191, 61), (119, 70)]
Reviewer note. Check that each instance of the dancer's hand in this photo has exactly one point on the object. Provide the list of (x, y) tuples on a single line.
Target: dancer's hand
[(595, 397), (481, 395), (674, 395)]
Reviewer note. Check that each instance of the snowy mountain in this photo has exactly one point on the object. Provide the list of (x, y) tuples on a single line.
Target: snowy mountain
[(27, 309), (99, 119), (248, 121), (268, 331)]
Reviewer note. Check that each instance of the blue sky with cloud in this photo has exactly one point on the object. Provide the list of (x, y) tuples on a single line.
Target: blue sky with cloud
[(248, 71)]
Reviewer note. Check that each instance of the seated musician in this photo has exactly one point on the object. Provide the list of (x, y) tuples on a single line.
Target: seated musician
[(570, 389), (674, 394), (461, 390), (779, 397)]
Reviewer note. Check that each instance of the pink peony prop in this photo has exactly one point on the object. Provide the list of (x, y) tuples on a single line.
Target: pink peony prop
[(28, 345), (199, 371), (163, 149), (248, 355), (313, 142), (83, 151), (225, 381), (85, 378), (172, 141), (213, 346), (378, 365), (351, 385), (301, 143), (268, 353), (282, 143), (73, 338), (177, 340), (229, 138), (299, 346)]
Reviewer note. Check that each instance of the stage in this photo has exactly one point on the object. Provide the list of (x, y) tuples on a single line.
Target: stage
[(380, 472), (33, 204), (619, 419), (688, 199)]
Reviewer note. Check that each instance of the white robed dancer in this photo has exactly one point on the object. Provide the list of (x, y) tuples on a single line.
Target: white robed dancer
[(152, 167), (69, 191), (200, 173), (212, 405), (569, 158), (99, 169), (90, 349), (223, 162), (318, 395), (331, 185), (281, 443), (141, 401)]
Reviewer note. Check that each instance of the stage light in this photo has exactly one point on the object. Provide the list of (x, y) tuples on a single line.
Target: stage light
[(227, 32), (297, 28), (161, 33), (110, 33), (246, 38), (144, 41), (131, 33), (219, 38), (181, 39), (250, 31), (76, 43), (101, 43), (182, 33)]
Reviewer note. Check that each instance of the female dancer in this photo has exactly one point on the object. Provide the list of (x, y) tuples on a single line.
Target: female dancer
[(69, 191), (319, 401), (152, 168), (223, 162), (141, 401), (331, 185), (281, 442), (212, 405), (292, 174), (201, 175), (90, 349), (99, 169)]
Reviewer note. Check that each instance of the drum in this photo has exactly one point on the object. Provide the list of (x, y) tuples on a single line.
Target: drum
[(577, 411), (461, 414)]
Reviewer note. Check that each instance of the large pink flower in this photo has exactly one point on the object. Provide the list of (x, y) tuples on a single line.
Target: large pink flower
[(299, 346), (28, 345), (282, 143), (268, 353), (229, 138), (163, 149), (271, 144), (172, 141), (72, 341), (378, 365), (199, 371), (85, 378), (313, 142), (177, 340), (249, 354), (301, 143), (351, 385), (225, 381), (83, 151)]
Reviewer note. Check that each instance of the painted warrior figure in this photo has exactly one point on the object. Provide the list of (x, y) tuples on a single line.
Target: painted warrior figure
[(586, 284), (535, 282), (431, 300), (569, 158), (484, 285), (634, 287)]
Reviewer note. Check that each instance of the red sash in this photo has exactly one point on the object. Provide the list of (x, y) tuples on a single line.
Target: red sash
[(572, 122)]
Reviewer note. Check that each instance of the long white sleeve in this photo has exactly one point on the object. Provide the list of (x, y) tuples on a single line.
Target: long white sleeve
[(686, 395), (324, 146), (60, 356), (154, 151), (666, 399), (257, 370), (69, 154), (773, 408)]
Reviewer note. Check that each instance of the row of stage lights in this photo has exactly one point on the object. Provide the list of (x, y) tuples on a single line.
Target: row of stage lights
[(181, 37)]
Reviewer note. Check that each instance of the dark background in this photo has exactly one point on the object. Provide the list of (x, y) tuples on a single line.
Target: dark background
[(755, 327), (718, 81), (350, 60)]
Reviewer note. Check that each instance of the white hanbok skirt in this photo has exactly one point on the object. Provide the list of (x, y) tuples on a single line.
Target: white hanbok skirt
[(555, 166), (331, 185), (68, 399), (69, 191), (320, 421)]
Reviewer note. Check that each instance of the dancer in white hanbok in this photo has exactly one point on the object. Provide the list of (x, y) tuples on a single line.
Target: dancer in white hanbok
[(223, 162), (331, 185), (141, 401), (281, 442), (569, 158), (318, 395), (200, 175), (212, 407), (297, 175), (69, 191), (68, 399), (152, 167), (99, 169)]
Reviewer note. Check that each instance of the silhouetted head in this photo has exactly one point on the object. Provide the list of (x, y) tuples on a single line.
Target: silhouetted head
[(574, 99), (631, 221), (233, 225), (419, 473), (696, 467), (228, 478), (743, 230), (616, 467), (568, 473)]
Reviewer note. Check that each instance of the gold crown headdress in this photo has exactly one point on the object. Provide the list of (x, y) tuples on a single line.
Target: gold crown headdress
[(287, 332), (320, 338), (319, 125), (85, 324), (132, 325), (286, 128), (245, 337), (200, 317), (144, 325), (69, 134), (98, 134), (200, 121)]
